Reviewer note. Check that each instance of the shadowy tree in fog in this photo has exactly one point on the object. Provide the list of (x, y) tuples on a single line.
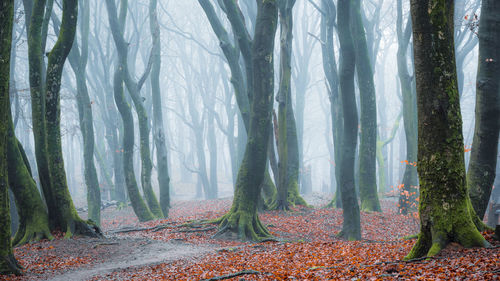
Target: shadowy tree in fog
[(368, 108), (328, 17), (444, 201), (46, 111), (242, 220), (410, 179), (78, 60), (158, 128), (483, 158), (8, 263), (122, 76), (351, 226), (288, 149)]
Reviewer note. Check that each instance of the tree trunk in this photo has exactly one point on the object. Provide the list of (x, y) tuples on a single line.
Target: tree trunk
[(483, 160), (351, 227), (8, 263), (444, 201), (332, 79), (78, 60), (141, 210), (133, 88), (242, 220), (158, 127), (408, 190), (368, 139)]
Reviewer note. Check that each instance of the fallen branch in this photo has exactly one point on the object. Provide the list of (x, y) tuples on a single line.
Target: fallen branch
[(232, 275)]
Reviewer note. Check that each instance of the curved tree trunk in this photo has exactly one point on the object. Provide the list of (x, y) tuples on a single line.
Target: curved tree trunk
[(483, 158), (8, 263), (158, 127), (65, 215), (351, 226), (141, 210), (78, 61), (444, 201), (242, 220), (133, 88), (368, 139)]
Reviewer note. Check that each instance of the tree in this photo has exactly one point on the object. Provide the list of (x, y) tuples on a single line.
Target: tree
[(158, 128), (122, 76), (78, 60), (46, 111), (368, 104), (410, 177), (351, 226), (288, 148), (483, 161), (444, 201), (8, 263), (242, 220), (134, 88)]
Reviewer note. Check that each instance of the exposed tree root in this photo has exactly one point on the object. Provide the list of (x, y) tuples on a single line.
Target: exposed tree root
[(83, 228), (243, 226), (9, 265)]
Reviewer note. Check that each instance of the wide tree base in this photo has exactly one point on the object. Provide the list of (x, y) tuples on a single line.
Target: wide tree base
[(9, 265), (370, 206), (239, 225), (79, 227), (429, 245), (32, 231), (348, 235)]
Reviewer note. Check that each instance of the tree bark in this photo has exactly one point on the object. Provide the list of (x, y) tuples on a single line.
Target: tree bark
[(8, 263), (242, 220), (444, 201), (483, 160), (408, 190), (158, 127), (351, 226), (368, 104)]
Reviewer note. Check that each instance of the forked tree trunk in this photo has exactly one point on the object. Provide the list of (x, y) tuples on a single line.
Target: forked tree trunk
[(242, 220), (444, 201)]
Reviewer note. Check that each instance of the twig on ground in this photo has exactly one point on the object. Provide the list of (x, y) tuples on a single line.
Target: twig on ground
[(232, 275)]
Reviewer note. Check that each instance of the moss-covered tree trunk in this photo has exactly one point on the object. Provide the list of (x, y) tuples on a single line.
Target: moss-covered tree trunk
[(483, 158), (409, 190), (8, 263), (78, 61), (444, 200), (351, 226), (368, 104), (133, 88), (327, 26), (37, 91), (288, 149), (141, 210), (65, 215), (242, 220), (158, 127)]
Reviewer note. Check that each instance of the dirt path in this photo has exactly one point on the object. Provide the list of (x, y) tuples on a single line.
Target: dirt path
[(125, 253)]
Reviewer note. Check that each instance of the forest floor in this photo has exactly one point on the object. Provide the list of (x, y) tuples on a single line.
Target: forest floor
[(306, 249)]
